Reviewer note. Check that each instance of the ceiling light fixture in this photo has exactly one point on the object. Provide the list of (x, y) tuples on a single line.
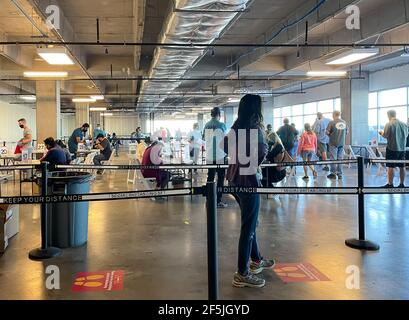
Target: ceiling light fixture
[(55, 56), (28, 98), (234, 100), (83, 100), (98, 109), (352, 56), (107, 114), (45, 74), (100, 97), (326, 73)]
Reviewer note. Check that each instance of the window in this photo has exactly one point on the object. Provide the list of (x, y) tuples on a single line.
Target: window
[(379, 104), (304, 113)]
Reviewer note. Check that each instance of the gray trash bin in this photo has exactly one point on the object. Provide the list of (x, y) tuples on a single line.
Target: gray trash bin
[(68, 222)]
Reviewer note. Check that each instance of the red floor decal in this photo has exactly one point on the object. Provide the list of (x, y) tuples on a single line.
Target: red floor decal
[(299, 272), (99, 281)]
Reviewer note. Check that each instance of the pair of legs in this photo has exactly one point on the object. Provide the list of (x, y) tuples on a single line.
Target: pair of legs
[(248, 247), (336, 153), (395, 155), (211, 174), (97, 161), (323, 151), (307, 156), (162, 179)]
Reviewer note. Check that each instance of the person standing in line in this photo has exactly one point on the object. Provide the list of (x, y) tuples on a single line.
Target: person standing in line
[(77, 136), (337, 131), (195, 140), (214, 133), (288, 135), (307, 148), (268, 134), (250, 118), (320, 127), (396, 133)]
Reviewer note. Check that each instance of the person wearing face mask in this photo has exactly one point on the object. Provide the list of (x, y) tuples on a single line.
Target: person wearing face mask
[(25, 142), (77, 136), (98, 131)]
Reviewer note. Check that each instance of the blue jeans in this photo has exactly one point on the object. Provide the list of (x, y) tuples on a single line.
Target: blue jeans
[(336, 153), (248, 247)]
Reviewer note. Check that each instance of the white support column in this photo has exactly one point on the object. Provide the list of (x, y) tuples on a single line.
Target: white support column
[(48, 112), (81, 114), (268, 104), (354, 107)]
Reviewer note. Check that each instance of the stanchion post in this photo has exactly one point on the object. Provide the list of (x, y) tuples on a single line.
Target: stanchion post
[(212, 247), (45, 252), (361, 243)]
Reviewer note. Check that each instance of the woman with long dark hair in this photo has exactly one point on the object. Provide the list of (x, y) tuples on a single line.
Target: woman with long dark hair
[(247, 148)]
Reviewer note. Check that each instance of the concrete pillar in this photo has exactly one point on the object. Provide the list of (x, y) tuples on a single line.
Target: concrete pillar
[(81, 114), (95, 119), (354, 107), (48, 112), (143, 122), (200, 121), (229, 116), (268, 105)]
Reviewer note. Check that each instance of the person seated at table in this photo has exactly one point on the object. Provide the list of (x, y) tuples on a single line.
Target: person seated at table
[(141, 147), (152, 157), (55, 155), (64, 148), (104, 146)]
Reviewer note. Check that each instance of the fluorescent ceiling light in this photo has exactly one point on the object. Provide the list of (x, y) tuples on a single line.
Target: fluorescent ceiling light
[(326, 73), (28, 98), (45, 74), (234, 100), (98, 97), (55, 56), (83, 100), (98, 109), (352, 56), (107, 114)]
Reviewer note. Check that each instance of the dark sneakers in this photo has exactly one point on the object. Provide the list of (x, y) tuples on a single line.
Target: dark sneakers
[(387, 186), (332, 176), (401, 186)]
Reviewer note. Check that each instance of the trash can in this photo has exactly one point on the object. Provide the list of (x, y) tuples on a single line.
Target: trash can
[(68, 222)]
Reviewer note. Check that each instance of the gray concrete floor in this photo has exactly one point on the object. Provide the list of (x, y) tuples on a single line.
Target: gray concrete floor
[(162, 246)]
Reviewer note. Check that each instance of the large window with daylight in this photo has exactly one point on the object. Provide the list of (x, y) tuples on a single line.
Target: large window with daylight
[(305, 113), (380, 103)]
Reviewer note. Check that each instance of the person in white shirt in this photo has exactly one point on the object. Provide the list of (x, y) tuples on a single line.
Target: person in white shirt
[(196, 142)]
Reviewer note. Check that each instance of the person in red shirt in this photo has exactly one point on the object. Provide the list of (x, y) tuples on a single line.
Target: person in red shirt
[(152, 157), (307, 147)]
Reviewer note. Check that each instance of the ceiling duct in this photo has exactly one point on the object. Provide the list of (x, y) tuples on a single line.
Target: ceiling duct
[(191, 22)]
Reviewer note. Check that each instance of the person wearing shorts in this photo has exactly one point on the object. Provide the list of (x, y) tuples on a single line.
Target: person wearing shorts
[(307, 147), (320, 127), (396, 133)]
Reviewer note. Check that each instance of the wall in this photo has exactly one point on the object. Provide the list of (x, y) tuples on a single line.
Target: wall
[(121, 125), (389, 78), (324, 92), (9, 114), (67, 124)]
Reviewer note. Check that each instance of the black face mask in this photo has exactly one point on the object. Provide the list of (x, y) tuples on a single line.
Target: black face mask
[(21, 126)]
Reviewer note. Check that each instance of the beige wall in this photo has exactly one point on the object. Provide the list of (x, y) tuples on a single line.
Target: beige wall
[(9, 114), (67, 124), (121, 125)]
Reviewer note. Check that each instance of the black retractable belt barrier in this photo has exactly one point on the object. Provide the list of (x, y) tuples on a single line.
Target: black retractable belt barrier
[(361, 243), (45, 252), (212, 247)]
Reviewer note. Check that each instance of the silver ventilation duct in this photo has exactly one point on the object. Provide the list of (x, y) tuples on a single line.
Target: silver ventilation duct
[(191, 22)]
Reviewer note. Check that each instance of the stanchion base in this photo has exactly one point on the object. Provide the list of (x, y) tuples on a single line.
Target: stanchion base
[(362, 244), (42, 254)]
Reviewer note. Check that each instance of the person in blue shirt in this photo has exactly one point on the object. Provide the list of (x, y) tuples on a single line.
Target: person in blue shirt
[(320, 126), (98, 131), (214, 133), (77, 136), (55, 154)]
